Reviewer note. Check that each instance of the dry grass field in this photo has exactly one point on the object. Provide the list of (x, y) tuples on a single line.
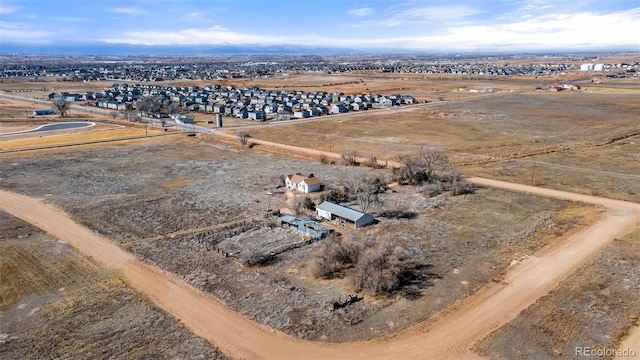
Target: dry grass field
[(489, 126), (57, 304), (596, 307), (61, 138), (164, 199), (182, 203), (496, 129)]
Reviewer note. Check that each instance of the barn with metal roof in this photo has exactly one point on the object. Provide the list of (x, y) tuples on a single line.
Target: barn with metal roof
[(331, 211)]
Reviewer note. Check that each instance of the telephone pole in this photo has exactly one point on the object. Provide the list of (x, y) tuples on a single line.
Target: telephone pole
[(533, 170)]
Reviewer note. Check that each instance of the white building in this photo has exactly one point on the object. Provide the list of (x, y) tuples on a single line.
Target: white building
[(302, 183)]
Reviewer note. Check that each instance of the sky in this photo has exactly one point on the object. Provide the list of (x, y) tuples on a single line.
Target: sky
[(420, 26)]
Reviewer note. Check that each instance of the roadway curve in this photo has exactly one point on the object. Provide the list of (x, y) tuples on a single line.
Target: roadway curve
[(448, 335)]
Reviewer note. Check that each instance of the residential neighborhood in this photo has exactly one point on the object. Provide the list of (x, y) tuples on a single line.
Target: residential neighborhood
[(244, 103)]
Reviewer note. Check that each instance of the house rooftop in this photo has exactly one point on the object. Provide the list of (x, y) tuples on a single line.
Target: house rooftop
[(342, 211)]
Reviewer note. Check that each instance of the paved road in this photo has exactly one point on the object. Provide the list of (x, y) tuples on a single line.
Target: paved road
[(53, 127), (448, 335)]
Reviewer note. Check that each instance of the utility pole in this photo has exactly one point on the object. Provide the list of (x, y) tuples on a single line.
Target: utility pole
[(533, 170)]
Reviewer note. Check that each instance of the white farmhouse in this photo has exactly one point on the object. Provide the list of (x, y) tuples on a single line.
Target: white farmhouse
[(302, 183)]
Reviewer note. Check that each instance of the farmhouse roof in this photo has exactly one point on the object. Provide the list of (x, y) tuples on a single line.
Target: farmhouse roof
[(342, 211), (295, 178), (311, 181)]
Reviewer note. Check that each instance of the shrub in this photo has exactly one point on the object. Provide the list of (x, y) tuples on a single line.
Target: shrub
[(349, 158), (333, 256), (335, 196), (309, 204)]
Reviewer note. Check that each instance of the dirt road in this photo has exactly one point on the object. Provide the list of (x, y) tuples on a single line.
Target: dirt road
[(449, 334)]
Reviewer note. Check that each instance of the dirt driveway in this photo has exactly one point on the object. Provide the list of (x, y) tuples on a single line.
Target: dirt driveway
[(449, 334)]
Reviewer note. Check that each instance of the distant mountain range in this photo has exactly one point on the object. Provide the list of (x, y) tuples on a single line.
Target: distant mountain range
[(126, 49), (254, 49)]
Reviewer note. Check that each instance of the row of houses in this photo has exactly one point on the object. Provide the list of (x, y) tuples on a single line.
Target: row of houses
[(246, 103), (212, 68)]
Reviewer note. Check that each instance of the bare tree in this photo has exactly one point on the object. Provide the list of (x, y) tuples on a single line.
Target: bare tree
[(62, 106), (379, 269), (365, 190), (349, 158), (149, 105), (243, 137), (114, 115), (170, 106), (433, 160), (410, 169), (335, 255)]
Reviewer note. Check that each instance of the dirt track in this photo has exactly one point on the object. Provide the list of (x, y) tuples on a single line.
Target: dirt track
[(447, 335)]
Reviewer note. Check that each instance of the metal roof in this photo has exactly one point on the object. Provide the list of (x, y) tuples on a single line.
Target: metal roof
[(342, 211)]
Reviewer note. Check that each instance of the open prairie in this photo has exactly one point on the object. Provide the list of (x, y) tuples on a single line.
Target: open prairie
[(600, 300), (181, 203), (595, 131), (200, 209), (57, 303)]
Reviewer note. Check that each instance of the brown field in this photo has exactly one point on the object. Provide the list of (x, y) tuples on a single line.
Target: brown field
[(177, 185), (56, 303), (597, 307), (495, 129), (110, 133), (490, 126)]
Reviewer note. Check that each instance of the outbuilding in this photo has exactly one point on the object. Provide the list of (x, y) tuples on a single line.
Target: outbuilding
[(333, 211), (43, 112)]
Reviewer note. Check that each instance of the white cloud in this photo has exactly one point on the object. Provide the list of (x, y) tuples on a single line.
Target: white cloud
[(20, 33), (360, 12), (127, 11), (572, 31), (403, 15), (193, 14), (71, 19), (216, 35), (537, 5), (8, 9)]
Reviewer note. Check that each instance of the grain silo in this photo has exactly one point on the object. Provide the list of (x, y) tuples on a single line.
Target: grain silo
[(598, 67), (586, 67)]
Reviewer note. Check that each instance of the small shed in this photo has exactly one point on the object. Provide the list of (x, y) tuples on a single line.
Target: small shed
[(331, 211), (43, 112), (305, 225)]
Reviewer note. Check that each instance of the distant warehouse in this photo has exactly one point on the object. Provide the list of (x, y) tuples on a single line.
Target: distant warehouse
[(332, 211)]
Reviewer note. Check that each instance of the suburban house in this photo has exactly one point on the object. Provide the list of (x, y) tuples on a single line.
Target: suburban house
[(305, 184), (332, 211), (339, 108)]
